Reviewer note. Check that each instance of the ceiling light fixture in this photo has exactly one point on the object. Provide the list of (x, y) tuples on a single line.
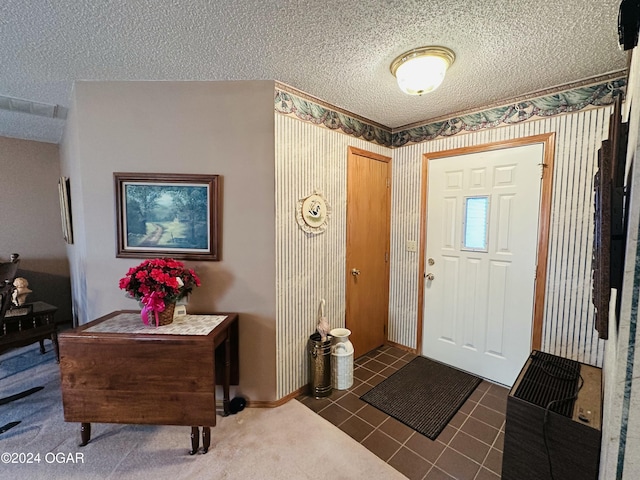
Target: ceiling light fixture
[(422, 70)]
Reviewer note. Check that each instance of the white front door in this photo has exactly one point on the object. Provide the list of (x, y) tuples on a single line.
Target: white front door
[(481, 247)]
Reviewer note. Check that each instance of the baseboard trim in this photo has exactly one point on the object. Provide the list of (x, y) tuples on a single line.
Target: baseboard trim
[(277, 403), (402, 347), (305, 388)]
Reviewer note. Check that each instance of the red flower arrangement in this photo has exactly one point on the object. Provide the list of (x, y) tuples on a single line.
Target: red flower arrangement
[(158, 282)]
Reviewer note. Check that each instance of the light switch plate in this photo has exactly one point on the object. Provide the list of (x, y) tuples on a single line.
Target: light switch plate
[(412, 246)]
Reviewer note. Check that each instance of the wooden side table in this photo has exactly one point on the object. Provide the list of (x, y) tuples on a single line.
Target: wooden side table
[(117, 370), (37, 323)]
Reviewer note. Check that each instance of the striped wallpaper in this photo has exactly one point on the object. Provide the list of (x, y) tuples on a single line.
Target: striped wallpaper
[(312, 267), (308, 267)]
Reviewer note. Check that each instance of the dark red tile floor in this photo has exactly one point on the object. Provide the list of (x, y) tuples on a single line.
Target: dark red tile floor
[(469, 448)]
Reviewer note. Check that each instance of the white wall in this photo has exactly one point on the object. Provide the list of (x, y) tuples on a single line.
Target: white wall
[(224, 128)]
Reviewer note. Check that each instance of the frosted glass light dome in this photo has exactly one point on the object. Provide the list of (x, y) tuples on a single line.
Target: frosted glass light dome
[(422, 70)]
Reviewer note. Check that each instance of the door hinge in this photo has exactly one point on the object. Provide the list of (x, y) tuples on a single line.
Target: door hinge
[(542, 167), (388, 183), (386, 257)]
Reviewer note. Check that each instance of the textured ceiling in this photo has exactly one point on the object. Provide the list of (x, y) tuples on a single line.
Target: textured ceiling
[(338, 51)]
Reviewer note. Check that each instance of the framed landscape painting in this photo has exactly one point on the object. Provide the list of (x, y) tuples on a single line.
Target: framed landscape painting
[(167, 215)]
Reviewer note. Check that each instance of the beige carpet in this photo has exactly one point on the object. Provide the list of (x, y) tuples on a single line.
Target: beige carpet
[(288, 442)]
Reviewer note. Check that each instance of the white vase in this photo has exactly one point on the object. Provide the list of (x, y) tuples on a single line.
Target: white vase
[(341, 359)]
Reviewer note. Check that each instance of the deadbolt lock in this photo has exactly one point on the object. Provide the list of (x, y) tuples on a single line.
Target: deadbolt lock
[(431, 261)]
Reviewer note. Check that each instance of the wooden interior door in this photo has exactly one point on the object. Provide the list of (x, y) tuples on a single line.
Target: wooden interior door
[(367, 257)]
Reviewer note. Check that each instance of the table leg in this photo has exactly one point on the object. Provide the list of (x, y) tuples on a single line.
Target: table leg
[(227, 375), (85, 433), (195, 440), (54, 340), (206, 439), (41, 347)]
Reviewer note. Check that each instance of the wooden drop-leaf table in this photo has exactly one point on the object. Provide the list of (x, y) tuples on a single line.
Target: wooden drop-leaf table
[(117, 370)]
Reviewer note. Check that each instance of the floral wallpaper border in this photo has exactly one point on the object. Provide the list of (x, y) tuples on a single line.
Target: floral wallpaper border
[(546, 106), (305, 109)]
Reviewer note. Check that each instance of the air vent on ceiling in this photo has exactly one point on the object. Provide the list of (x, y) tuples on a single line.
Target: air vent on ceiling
[(21, 105)]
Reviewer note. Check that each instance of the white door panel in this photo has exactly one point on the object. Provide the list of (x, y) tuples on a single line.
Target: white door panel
[(478, 309)]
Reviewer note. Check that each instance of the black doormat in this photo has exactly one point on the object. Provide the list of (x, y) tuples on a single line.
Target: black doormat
[(424, 395)]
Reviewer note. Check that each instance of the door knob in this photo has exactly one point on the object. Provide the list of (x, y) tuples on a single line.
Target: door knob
[(355, 272), (429, 276)]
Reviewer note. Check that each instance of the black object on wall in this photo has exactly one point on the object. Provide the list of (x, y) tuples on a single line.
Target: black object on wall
[(609, 221), (628, 23)]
